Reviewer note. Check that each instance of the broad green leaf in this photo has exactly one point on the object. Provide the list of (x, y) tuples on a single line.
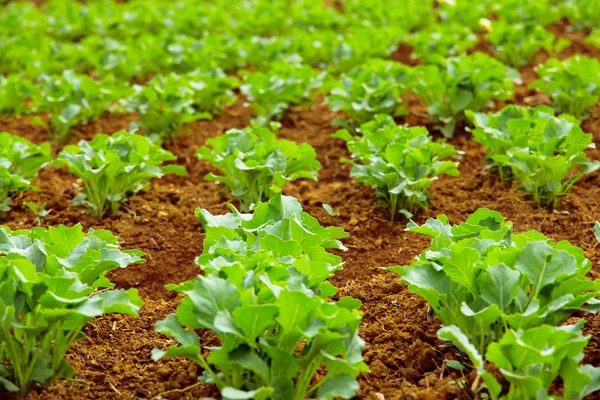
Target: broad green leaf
[(343, 386), (499, 285)]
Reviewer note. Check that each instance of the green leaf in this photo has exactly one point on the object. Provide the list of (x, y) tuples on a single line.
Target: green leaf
[(454, 365), (249, 360), (330, 210), (8, 385), (543, 266), (461, 267), (121, 301), (262, 393), (294, 308), (499, 285), (344, 386), (254, 320), (460, 340)]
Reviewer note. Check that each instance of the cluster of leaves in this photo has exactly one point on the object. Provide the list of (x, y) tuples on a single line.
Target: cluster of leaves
[(464, 12), (52, 282), (531, 360), (469, 82), (399, 162), (112, 167), (272, 92), (543, 152), (124, 59), (264, 293), (583, 14), (255, 165), (166, 103), (491, 287), (136, 39), (372, 88), (20, 162), (594, 38), (516, 43), (72, 99), (447, 40), (572, 84), (540, 12), (357, 46), (15, 91), (483, 278)]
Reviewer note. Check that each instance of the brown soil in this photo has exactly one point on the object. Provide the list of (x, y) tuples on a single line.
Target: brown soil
[(401, 348)]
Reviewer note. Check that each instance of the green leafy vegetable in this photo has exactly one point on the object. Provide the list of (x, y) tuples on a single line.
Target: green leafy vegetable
[(112, 167), (254, 164), (49, 280), (264, 294), (483, 278), (399, 162), (20, 162), (464, 12), (270, 93), (73, 99), (594, 38), (447, 40), (572, 84), (583, 14), (372, 88), (15, 91), (469, 82), (543, 152), (516, 43), (539, 12), (531, 360), (166, 103)]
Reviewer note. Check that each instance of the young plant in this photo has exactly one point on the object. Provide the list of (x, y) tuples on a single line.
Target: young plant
[(213, 90), (594, 38), (572, 84), (15, 91), (52, 283), (254, 164), (372, 88), (582, 14), (399, 162), (264, 293), (123, 59), (168, 102), (359, 45), (412, 15), (20, 162), (531, 360), (447, 40), (545, 153), (464, 12), (271, 93), (39, 211), (539, 12), (516, 43), (113, 167), (469, 82), (73, 99), (485, 279)]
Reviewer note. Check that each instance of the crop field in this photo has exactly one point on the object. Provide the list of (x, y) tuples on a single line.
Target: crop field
[(300, 199)]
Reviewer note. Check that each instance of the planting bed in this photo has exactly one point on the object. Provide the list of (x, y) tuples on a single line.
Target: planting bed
[(401, 346)]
